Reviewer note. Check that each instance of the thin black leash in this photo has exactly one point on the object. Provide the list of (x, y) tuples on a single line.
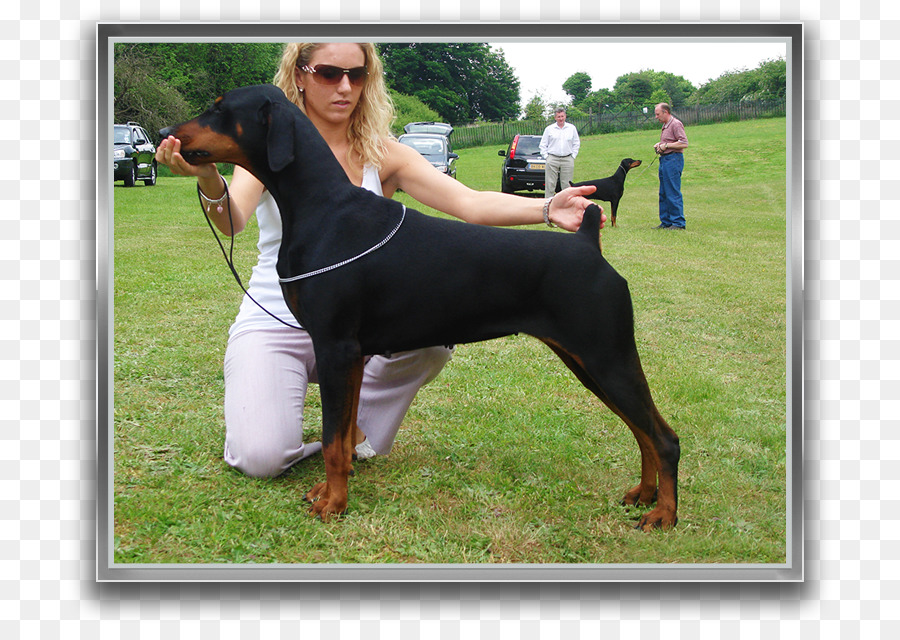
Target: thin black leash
[(648, 166), (229, 255)]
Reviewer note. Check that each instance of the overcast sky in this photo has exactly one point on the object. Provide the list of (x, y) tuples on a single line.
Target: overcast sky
[(543, 67)]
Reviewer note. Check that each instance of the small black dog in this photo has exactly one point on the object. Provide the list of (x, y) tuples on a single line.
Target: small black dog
[(610, 189), (422, 281)]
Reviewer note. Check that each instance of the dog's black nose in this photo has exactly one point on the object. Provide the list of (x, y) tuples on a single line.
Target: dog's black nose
[(165, 133)]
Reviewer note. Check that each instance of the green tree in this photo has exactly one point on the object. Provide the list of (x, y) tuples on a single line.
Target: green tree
[(638, 88), (731, 86), (658, 96), (536, 109), (773, 79), (677, 88), (495, 93), (141, 96), (159, 84), (410, 109), (461, 81), (596, 101), (578, 85), (767, 82), (633, 88), (202, 71)]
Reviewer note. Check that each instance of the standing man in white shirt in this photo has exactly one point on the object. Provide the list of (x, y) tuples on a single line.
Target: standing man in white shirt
[(559, 145)]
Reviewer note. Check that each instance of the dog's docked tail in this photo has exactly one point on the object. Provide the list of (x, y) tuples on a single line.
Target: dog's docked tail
[(590, 225)]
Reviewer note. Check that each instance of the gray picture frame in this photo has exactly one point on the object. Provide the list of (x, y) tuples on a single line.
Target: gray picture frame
[(790, 33)]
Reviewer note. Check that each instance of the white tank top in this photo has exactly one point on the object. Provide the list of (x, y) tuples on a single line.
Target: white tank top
[(263, 285)]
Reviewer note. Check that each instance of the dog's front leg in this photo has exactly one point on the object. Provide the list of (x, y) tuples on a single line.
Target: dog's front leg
[(340, 369)]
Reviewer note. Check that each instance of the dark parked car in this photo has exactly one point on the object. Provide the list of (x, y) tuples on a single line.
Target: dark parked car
[(435, 148), (523, 168), (133, 155)]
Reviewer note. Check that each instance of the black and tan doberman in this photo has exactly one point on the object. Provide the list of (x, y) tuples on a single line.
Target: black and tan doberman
[(364, 275), (610, 189)]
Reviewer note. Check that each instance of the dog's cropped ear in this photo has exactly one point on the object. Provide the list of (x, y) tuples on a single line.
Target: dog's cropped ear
[(280, 137)]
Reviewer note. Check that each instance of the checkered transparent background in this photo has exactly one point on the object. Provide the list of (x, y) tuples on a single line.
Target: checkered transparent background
[(47, 357)]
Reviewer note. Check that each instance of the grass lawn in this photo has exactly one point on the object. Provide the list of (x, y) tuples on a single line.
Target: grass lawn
[(505, 458)]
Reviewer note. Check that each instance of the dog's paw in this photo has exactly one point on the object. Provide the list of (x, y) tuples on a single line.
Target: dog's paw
[(327, 509), (325, 504), (637, 497), (316, 493), (657, 519)]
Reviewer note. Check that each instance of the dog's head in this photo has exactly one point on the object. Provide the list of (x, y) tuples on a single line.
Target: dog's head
[(628, 163), (250, 126)]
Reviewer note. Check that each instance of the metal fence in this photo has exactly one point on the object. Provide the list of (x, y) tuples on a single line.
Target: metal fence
[(610, 121)]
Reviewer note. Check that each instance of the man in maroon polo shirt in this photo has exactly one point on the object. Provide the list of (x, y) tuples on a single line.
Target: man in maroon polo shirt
[(672, 143)]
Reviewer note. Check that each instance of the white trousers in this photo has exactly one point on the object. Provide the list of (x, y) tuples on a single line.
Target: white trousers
[(561, 168), (267, 373)]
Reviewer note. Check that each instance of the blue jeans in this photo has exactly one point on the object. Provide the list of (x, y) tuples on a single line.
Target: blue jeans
[(671, 204)]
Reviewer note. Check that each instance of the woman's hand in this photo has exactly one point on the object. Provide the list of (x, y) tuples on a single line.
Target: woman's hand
[(567, 207), (169, 153), (243, 194)]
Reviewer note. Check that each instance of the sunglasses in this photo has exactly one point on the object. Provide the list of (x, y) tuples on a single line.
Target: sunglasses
[(327, 74)]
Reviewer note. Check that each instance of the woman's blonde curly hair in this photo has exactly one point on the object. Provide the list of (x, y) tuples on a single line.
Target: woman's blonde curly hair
[(370, 123)]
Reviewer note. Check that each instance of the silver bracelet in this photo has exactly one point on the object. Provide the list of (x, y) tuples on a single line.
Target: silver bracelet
[(218, 202), (547, 211)]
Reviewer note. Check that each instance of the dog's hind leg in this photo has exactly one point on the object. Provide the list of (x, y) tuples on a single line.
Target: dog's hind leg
[(340, 371), (627, 394), (624, 389)]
